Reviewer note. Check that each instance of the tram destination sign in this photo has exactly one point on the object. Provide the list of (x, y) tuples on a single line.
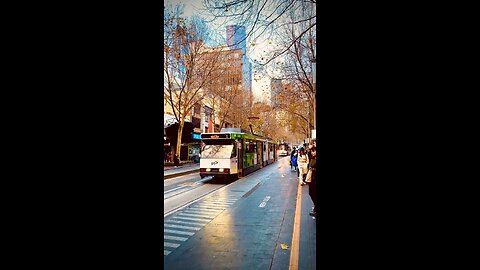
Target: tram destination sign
[(215, 136)]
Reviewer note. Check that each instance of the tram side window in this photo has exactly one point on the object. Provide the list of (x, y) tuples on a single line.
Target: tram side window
[(250, 146)]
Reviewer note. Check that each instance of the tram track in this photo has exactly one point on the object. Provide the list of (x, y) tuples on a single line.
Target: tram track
[(182, 191), (187, 192)]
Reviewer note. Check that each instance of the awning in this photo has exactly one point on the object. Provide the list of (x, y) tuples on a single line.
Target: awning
[(169, 120)]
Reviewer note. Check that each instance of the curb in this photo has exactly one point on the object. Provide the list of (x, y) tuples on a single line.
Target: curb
[(180, 173)]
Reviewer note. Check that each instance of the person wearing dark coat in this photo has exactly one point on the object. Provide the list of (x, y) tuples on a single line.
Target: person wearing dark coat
[(176, 160), (312, 185)]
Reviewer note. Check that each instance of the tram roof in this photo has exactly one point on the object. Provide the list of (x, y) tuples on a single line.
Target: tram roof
[(240, 131)]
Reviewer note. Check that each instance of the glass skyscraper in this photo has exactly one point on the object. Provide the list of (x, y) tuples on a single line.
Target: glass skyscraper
[(236, 39)]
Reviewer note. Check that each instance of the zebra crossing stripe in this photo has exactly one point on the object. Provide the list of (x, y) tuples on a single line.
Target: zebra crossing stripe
[(188, 222), (213, 205), (202, 210), (202, 213), (166, 252), (176, 238), (181, 227), (212, 208), (168, 244), (190, 218), (178, 232), (195, 215)]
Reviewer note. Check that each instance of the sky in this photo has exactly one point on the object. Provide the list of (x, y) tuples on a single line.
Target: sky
[(260, 86)]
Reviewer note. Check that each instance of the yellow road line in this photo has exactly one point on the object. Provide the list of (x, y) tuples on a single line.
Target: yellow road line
[(296, 232)]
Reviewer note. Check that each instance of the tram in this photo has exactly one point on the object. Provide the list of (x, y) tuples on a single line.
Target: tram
[(235, 152)]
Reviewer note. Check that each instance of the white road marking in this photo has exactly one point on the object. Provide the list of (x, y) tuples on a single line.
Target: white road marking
[(194, 219), (178, 232), (212, 207), (216, 204), (189, 222), (199, 210), (196, 215), (166, 252), (168, 244), (265, 200), (181, 227), (176, 238)]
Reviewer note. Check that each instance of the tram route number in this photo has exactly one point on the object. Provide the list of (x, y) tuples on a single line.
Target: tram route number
[(214, 163), (264, 201)]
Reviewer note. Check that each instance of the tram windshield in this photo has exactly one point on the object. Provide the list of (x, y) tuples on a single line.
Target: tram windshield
[(217, 151)]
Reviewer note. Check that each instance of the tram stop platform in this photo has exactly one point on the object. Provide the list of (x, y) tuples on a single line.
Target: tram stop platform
[(254, 223)]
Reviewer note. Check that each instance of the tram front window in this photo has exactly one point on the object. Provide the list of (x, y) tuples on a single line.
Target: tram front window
[(217, 151)]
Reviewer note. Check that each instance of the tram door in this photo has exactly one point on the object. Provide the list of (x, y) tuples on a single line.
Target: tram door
[(259, 154), (239, 148)]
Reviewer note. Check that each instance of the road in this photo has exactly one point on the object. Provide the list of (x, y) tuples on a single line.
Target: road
[(260, 221), (183, 190)]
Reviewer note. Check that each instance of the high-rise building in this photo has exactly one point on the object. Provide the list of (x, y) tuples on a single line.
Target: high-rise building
[(275, 90), (236, 39)]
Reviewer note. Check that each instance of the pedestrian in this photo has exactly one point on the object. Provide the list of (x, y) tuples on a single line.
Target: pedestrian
[(312, 185), (293, 160), (302, 165), (309, 150), (176, 160), (197, 157)]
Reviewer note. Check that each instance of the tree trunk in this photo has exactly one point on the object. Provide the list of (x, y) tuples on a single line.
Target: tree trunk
[(179, 137)]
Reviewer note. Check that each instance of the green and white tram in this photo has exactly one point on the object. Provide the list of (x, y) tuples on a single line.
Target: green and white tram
[(235, 152)]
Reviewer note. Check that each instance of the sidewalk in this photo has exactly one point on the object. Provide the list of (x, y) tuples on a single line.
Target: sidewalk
[(250, 231)]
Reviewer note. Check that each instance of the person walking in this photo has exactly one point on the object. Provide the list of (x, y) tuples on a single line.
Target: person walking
[(176, 160), (312, 185), (293, 160), (302, 165)]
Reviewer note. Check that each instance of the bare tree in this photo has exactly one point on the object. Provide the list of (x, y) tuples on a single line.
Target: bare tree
[(188, 68), (297, 73), (263, 17)]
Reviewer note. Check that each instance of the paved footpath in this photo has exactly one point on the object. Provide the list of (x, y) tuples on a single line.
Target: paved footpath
[(243, 225)]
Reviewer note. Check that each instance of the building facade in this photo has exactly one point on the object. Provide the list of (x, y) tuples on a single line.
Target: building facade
[(236, 39)]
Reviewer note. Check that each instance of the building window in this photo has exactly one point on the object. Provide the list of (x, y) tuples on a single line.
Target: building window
[(196, 122), (196, 108)]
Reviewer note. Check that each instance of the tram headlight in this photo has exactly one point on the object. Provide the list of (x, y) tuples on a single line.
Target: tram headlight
[(220, 170), (208, 169)]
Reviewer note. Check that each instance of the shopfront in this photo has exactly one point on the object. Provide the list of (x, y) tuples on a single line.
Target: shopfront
[(190, 139)]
